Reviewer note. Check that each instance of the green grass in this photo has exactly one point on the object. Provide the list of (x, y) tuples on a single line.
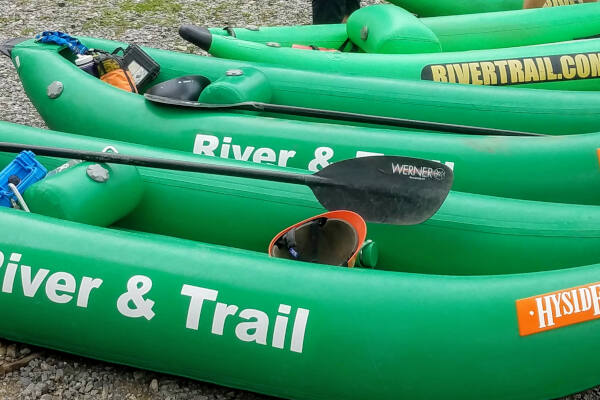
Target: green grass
[(26, 32), (166, 6), (123, 17), (111, 19)]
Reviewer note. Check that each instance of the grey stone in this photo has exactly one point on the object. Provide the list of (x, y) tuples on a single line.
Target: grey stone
[(138, 375), (29, 389), (25, 351), (24, 381), (11, 351), (41, 388)]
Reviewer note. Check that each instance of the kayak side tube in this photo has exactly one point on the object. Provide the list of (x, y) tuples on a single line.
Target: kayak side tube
[(234, 317)]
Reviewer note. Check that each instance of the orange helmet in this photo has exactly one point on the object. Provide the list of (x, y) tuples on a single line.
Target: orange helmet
[(333, 238)]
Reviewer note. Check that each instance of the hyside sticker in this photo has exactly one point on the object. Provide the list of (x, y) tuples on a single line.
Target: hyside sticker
[(517, 71), (558, 309)]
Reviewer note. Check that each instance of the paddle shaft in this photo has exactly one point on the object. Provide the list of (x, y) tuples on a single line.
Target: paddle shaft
[(115, 158), (343, 116), (390, 121), (380, 188)]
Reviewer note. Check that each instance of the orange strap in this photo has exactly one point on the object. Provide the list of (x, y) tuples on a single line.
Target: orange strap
[(121, 79)]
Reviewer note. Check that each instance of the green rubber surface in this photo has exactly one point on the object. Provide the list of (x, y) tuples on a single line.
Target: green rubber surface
[(559, 169), (430, 8), (391, 29), (131, 294)]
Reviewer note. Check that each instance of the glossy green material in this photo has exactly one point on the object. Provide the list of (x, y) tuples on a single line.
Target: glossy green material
[(456, 33), (238, 86), (402, 331), (390, 30), (99, 203), (562, 169), (559, 112), (500, 235), (431, 8), (548, 66)]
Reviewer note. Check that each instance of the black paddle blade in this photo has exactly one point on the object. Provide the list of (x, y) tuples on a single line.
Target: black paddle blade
[(385, 189)]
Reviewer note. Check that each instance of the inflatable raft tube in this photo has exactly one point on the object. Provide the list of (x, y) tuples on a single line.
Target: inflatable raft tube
[(432, 8), (64, 282), (500, 235), (390, 29), (560, 169), (547, 66), (558, 112)]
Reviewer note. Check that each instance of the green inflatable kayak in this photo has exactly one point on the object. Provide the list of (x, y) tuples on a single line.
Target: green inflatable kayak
[(233, 82), (390, 29), (573, 65), (560, 169), (189, 281), (432, 8)]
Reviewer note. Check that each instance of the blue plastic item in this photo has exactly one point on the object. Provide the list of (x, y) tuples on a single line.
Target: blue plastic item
[(62, 39), (23, 171)]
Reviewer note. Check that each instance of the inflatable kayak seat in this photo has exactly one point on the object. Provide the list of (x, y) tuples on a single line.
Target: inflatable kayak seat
[(235, 86), (238, 86), (95, 194), (185, 88), (388, 29)]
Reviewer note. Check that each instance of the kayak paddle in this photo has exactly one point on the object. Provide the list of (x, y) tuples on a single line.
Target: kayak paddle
[(384, 189), (198, 81)]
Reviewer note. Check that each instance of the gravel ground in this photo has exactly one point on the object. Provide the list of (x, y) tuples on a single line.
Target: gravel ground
[(32, 373)]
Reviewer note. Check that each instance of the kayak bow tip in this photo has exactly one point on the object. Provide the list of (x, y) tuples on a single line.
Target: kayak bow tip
[(198, 35), (6, 47)]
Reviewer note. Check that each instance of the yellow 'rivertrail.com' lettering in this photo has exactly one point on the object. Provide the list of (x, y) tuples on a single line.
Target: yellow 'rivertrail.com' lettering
[(517, 71)]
